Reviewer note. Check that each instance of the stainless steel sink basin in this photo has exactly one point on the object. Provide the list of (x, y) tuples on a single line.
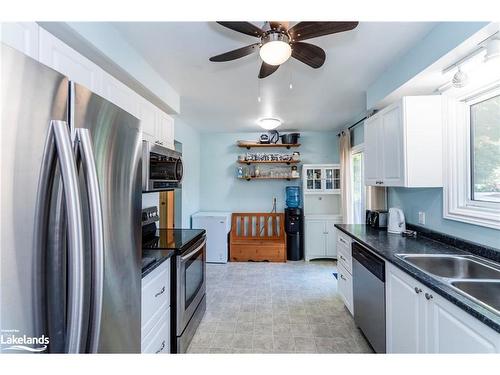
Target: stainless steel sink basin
[(486, 292), (454, 266)]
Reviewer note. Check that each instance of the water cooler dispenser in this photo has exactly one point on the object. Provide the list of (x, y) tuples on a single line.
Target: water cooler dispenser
[(294, 224)]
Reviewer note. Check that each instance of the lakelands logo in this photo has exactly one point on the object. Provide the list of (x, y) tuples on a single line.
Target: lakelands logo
[(10, 340)]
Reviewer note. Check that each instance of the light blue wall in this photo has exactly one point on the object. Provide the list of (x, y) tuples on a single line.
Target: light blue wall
[(443, 38), (221, 191), (431, 202)]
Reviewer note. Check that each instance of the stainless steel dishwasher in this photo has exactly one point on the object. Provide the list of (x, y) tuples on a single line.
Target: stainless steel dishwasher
[(369, 295)]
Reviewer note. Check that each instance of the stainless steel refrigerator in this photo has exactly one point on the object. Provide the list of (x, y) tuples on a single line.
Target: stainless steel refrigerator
[(70, 215)]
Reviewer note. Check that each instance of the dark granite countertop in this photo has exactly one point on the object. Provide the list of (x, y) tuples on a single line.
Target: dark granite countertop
[(387, 245), (151, 259)]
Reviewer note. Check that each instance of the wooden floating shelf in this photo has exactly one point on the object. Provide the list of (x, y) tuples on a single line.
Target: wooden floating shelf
[(268, 178), (248, 162), (249, 145)]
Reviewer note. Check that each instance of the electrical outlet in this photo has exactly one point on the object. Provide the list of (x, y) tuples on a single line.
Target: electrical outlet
[(421, 217)]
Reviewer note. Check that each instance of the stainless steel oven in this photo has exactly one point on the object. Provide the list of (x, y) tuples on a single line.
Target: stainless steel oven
[(190, 292), (162, 167)]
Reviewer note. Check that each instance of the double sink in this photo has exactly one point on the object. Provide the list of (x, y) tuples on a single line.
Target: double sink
[(470, 275)]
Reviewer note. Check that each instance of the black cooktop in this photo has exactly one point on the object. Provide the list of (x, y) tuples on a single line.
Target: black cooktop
[(171, 239)]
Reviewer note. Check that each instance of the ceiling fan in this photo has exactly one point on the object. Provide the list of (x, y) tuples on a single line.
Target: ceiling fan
[(278, 42)]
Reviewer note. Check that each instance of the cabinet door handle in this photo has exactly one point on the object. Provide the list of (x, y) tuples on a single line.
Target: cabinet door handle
[(342, 277), (162, 290), (418, 290), (161, 347), (341, 257), (342, 240), (428, 296)]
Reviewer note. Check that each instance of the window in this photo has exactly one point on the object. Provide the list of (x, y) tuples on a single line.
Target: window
[(358, 185), (485, 150), (472, 158)]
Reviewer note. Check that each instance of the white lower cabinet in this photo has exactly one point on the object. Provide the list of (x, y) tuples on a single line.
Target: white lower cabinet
[(344, 268), (344, 285), (155, 310), (420, 321), (321, 238)]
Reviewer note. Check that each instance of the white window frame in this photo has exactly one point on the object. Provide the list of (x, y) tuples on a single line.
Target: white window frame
[(457, 202), (359, 148)]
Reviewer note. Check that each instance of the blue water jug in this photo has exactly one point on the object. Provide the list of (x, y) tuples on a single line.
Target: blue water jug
[(292, 196)]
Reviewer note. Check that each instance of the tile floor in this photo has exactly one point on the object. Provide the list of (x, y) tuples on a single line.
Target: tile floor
[(288, 307)]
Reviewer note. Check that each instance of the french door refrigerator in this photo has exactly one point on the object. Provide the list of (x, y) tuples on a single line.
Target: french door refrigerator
[(70, 216)]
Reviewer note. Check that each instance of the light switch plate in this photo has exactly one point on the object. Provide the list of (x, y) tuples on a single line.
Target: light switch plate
[(421, 217)]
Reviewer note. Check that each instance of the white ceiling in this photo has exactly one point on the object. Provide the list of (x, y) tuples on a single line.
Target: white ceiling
[(222, 97)]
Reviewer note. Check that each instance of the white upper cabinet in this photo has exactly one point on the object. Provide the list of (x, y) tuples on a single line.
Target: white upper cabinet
[(22, 36), (165, 125), (58, 56), (321, 178), (120, 94), (157, 126), (373, 160), (403, 144)]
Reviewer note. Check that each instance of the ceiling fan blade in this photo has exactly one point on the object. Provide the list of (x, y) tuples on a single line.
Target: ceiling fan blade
[(236, 53), (308, 54), (243, 27), (267, 70), (308, 30)]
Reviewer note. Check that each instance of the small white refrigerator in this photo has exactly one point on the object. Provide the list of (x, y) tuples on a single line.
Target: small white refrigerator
[(217, 226)]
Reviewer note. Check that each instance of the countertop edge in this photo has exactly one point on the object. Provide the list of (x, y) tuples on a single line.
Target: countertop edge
[(436, 285), (169, 254)]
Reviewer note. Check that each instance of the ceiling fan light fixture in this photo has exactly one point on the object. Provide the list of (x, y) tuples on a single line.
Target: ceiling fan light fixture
[(275, 49), (269, 123)]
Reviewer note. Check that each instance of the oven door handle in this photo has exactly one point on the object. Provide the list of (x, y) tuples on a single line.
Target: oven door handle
[(187, 256)]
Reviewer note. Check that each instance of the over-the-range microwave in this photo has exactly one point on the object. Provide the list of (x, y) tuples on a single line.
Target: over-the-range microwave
[(161, 168)]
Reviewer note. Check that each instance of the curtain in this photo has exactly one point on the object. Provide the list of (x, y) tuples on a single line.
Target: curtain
[(345, 176)]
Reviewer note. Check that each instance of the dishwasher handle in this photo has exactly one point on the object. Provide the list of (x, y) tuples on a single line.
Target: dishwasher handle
[(370, 261)]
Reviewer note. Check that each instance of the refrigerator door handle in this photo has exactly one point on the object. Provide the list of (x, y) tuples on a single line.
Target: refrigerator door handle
[(75, 235), (86, 151)]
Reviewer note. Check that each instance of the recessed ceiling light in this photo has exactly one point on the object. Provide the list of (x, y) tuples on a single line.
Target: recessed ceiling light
[(269, 123)]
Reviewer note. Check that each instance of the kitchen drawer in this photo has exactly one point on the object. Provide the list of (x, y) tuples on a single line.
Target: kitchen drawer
[(155, 294), (343, 239), (344, 257), (344, 287), (158, 341)]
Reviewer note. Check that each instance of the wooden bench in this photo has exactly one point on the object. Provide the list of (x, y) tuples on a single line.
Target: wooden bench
[(258, 237)]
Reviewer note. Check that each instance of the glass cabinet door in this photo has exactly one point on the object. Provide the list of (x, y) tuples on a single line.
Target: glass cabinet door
[(309, 179), (336, 179), (328, 178), (318, 175)]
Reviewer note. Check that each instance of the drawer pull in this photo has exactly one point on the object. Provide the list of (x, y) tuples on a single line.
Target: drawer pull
[(162, 290), (428, 296), (344, 259), (161, 348), (342, 277), (418, 290), (342, 240)]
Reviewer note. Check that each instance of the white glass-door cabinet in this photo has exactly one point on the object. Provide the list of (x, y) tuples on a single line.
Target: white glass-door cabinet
[(321, 178)]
